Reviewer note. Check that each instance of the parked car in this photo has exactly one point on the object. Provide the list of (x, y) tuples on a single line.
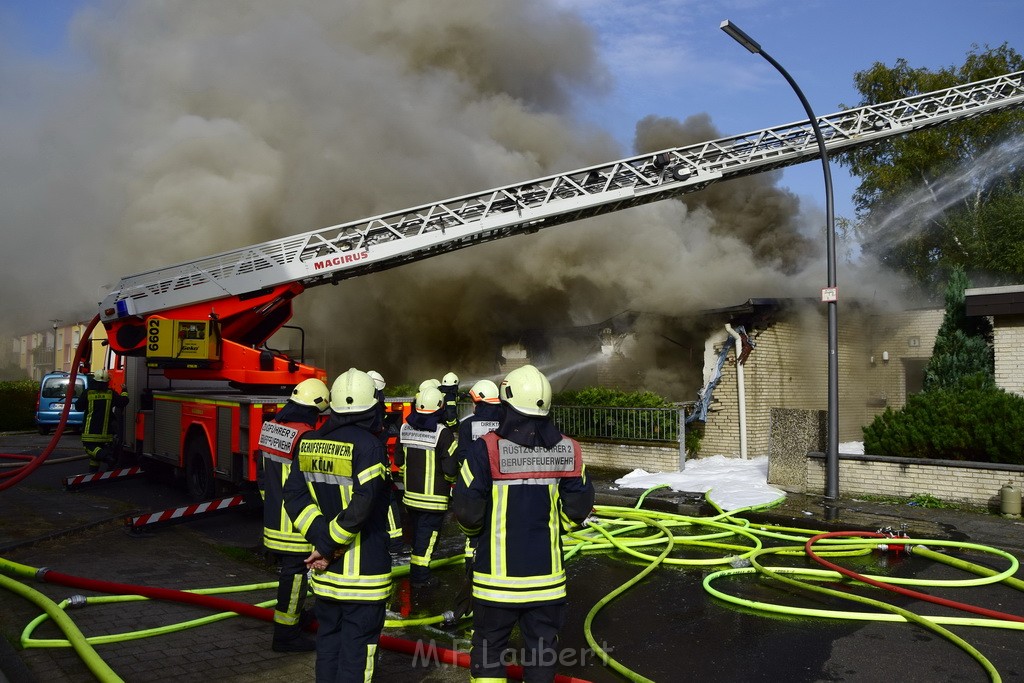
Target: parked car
[(53, 392)]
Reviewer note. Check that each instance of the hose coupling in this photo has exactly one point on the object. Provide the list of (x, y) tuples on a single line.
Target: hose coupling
[(41, 574), (449, 617), (77, 601)]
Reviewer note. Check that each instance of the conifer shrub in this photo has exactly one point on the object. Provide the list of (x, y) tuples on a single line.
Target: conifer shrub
[(973, 422)]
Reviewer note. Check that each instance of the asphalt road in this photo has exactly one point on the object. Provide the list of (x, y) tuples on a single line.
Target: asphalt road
[(666, 628)]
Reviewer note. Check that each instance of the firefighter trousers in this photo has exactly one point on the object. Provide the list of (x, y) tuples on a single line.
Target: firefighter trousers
[(492, 626), (426, 525), (346, 640), (292, 587)]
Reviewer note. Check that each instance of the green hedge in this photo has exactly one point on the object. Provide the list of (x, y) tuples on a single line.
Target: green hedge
[(19, 401), (612, 398), (968, 423)]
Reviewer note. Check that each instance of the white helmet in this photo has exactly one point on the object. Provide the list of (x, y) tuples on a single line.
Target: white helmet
[(101, 376), (353, 392), (312, 393), (378, 379), (485, 390), (429, 383), (527, 390), (429, 400), (450, 380)]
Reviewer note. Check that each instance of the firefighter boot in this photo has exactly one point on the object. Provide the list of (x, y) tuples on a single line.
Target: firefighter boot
[(94, 461), (292, 639)]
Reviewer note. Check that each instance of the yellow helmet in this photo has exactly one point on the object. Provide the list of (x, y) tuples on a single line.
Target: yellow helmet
[(353, 392), (527, 390), (429, 400), (378, 379), (312, 393), (485, 390), (450, 380), (429, 383)]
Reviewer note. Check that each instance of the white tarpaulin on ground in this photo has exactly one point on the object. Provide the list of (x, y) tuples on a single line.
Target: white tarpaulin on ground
[(731, 483)]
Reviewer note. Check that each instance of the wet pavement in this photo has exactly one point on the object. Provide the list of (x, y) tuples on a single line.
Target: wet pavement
[(666, 627)]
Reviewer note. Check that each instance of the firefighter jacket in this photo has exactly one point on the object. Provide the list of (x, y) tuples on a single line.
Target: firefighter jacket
[(337, 496), (451, 405), (278, 439), (425, 456), (102, 409), (485, 418), (518, 490)]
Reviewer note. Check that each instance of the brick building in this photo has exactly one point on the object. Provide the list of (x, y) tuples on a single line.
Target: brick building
[(882, 357)]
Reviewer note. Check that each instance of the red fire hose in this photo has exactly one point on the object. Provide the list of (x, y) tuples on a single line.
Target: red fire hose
[(410, 647)]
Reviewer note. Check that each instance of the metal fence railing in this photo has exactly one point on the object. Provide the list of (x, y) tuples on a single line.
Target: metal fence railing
[(619, 424), (614, 423)]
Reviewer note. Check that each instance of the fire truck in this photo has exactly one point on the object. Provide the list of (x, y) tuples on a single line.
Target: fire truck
[(189, 341)]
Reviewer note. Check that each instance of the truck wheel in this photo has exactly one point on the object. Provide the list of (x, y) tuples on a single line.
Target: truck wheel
[(199, 479)]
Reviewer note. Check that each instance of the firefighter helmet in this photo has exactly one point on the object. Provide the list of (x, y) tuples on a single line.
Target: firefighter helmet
[(527, 390), (353, 392), (312, 393), (450, 380), (432, 383), (101, 376), (485, 390), (429, 400), (378, 379)]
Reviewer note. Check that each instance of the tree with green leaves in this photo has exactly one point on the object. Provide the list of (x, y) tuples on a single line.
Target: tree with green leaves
[(963, 351), (947, 196)]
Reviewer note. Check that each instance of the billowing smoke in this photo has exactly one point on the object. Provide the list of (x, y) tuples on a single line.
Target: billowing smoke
[(184, 128)]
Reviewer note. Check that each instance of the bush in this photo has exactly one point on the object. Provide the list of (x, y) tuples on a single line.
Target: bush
[(612, 398), (970, 423), (19, 401)]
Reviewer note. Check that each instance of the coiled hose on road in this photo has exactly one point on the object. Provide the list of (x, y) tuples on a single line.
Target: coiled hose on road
[(83, 645), (730, 546)]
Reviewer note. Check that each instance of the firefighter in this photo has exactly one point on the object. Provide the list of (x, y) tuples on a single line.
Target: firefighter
[(278, 439), (384, 431), (486, 415), (450, 388), (101, 428), (426, 455), (337, 496), (520, 487)]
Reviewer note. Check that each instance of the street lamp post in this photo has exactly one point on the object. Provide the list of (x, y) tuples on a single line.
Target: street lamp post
[(56, 323), (830, 294)]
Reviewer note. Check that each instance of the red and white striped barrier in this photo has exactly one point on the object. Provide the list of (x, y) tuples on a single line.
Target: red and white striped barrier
[(79, 479), (176, 514)]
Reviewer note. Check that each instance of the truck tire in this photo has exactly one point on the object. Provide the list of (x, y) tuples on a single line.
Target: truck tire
[(199, 478)]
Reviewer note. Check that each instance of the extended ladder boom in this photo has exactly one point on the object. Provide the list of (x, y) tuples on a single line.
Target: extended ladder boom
[(350, 249)]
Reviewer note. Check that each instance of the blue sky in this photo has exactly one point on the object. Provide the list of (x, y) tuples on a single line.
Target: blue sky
[(669, 57)]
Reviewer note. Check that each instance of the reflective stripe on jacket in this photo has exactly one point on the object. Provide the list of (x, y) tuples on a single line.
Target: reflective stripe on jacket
[(426, 460), (99, 415), (337, 495), (277, 443), (520, 522)]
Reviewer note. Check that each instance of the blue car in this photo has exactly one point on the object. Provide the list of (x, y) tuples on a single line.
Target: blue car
[(53, 392)]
